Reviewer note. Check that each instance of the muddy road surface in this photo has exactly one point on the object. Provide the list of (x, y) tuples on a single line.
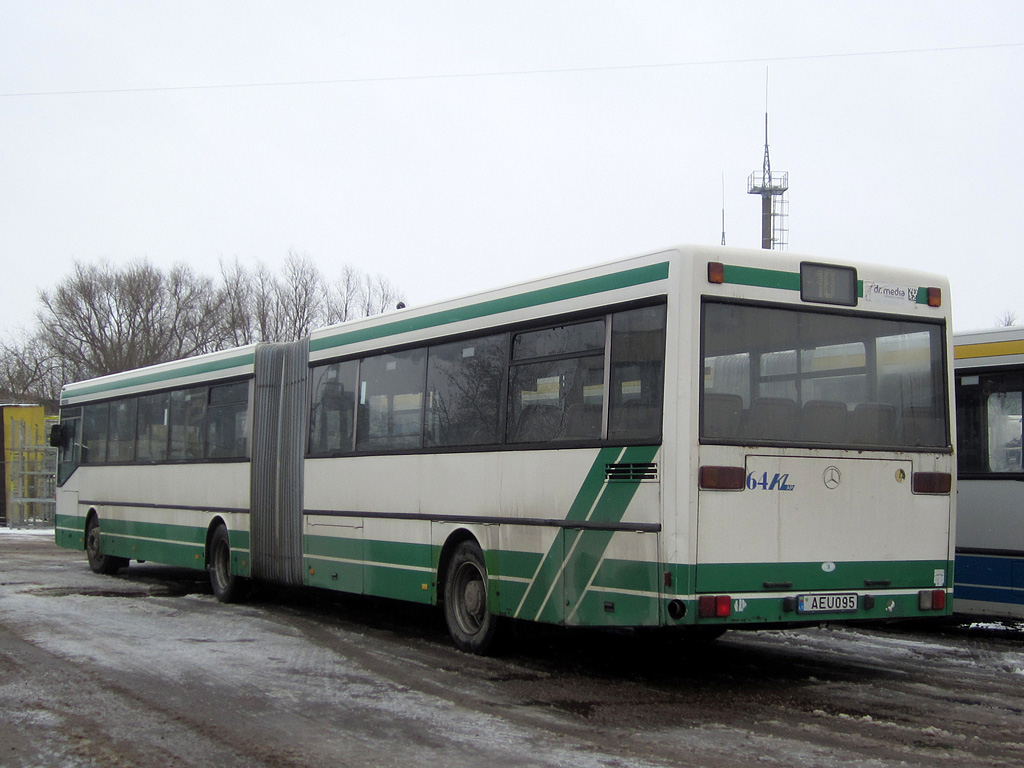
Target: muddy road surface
[(146, 668)]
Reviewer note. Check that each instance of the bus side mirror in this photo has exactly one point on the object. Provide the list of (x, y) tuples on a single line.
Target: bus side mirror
[(56, 435)]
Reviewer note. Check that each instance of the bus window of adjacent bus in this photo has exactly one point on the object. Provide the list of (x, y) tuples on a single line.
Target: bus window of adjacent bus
[(556, 384), (464, 381), (773, 375), (989, 408)]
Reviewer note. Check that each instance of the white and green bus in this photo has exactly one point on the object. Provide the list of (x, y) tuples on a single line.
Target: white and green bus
[(701, 438)]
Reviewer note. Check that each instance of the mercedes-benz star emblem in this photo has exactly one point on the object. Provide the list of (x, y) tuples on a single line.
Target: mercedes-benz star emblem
[(831, 477)]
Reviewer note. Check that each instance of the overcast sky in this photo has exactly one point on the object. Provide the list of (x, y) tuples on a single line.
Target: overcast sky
[(458, 146)]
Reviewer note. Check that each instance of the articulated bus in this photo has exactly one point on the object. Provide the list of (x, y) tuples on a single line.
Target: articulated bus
[(701, 438), (989, 370)]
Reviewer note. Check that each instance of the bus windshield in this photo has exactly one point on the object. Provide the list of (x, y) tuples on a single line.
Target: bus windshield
[(779, 376)]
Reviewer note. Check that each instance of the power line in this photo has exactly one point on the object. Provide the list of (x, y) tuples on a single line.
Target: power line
[(509, 73)]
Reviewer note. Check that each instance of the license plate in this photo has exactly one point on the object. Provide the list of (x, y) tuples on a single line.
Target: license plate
[(830, 603)]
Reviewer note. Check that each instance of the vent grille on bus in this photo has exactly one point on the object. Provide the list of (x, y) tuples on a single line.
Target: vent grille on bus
[(625, 472)]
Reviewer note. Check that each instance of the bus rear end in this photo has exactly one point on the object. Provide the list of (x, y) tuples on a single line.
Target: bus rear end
[(824, 460)]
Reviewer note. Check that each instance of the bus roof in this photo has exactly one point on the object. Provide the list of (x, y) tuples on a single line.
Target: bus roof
[(991, 347)]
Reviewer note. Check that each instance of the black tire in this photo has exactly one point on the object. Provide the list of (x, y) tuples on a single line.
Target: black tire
[(470, 623), (227, 587), (98, 562)]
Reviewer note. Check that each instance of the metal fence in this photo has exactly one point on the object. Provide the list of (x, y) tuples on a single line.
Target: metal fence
[(31, 474)]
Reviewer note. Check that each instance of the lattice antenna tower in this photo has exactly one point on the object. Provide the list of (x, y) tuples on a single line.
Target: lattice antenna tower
[(772, 189)]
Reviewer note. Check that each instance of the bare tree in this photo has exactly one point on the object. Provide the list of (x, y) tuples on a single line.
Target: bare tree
[(103, 319), (235, 297), (345, 296), (29, 372), (1008, 318), (302, 296), (379, 295)]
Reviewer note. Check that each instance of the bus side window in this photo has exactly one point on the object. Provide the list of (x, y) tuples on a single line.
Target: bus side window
[(94, 433), (333, 408), (556, 373), (391, 401), (70, 445), (637, 374), (121, 430), (1004, 432), (226, 436)]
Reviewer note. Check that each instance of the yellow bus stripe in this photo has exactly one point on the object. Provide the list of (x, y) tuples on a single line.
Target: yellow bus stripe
[(988, 349)]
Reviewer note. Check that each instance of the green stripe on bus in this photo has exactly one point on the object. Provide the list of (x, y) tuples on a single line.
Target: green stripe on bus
[(752, 577), (786, 281), (625, 279), (762, 278), (629, 575), (575, 554), (599, 608), (536, 595), (196, 369)]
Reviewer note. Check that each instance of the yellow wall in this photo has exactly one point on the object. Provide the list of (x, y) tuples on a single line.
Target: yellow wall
[(35, 435)]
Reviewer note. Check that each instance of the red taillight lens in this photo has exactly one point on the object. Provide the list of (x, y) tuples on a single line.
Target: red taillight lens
[(932, 482), (706, 606), (934, 297), (716, 272), (722, 478), (714, 606), (938, 599), (723, 606)]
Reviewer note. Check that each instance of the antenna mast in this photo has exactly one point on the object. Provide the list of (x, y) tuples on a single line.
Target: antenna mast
[(723, 207), (772, 189)]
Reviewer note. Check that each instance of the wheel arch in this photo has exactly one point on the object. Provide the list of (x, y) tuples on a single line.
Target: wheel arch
[(215, 523), (455, 538), (92, 514)]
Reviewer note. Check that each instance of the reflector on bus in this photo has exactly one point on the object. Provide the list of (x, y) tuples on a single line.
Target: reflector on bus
[(722, 478), (938, 483)]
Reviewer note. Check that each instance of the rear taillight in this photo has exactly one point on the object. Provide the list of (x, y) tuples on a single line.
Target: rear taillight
[(722, 478), (938, 483), (931, 600), (714, 606)]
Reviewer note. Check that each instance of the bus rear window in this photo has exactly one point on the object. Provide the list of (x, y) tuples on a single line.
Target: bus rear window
[(774, 375)]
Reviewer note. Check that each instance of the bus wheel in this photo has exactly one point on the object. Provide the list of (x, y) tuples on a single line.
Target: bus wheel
[(227, 587), (470, 624), (98, 562)]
